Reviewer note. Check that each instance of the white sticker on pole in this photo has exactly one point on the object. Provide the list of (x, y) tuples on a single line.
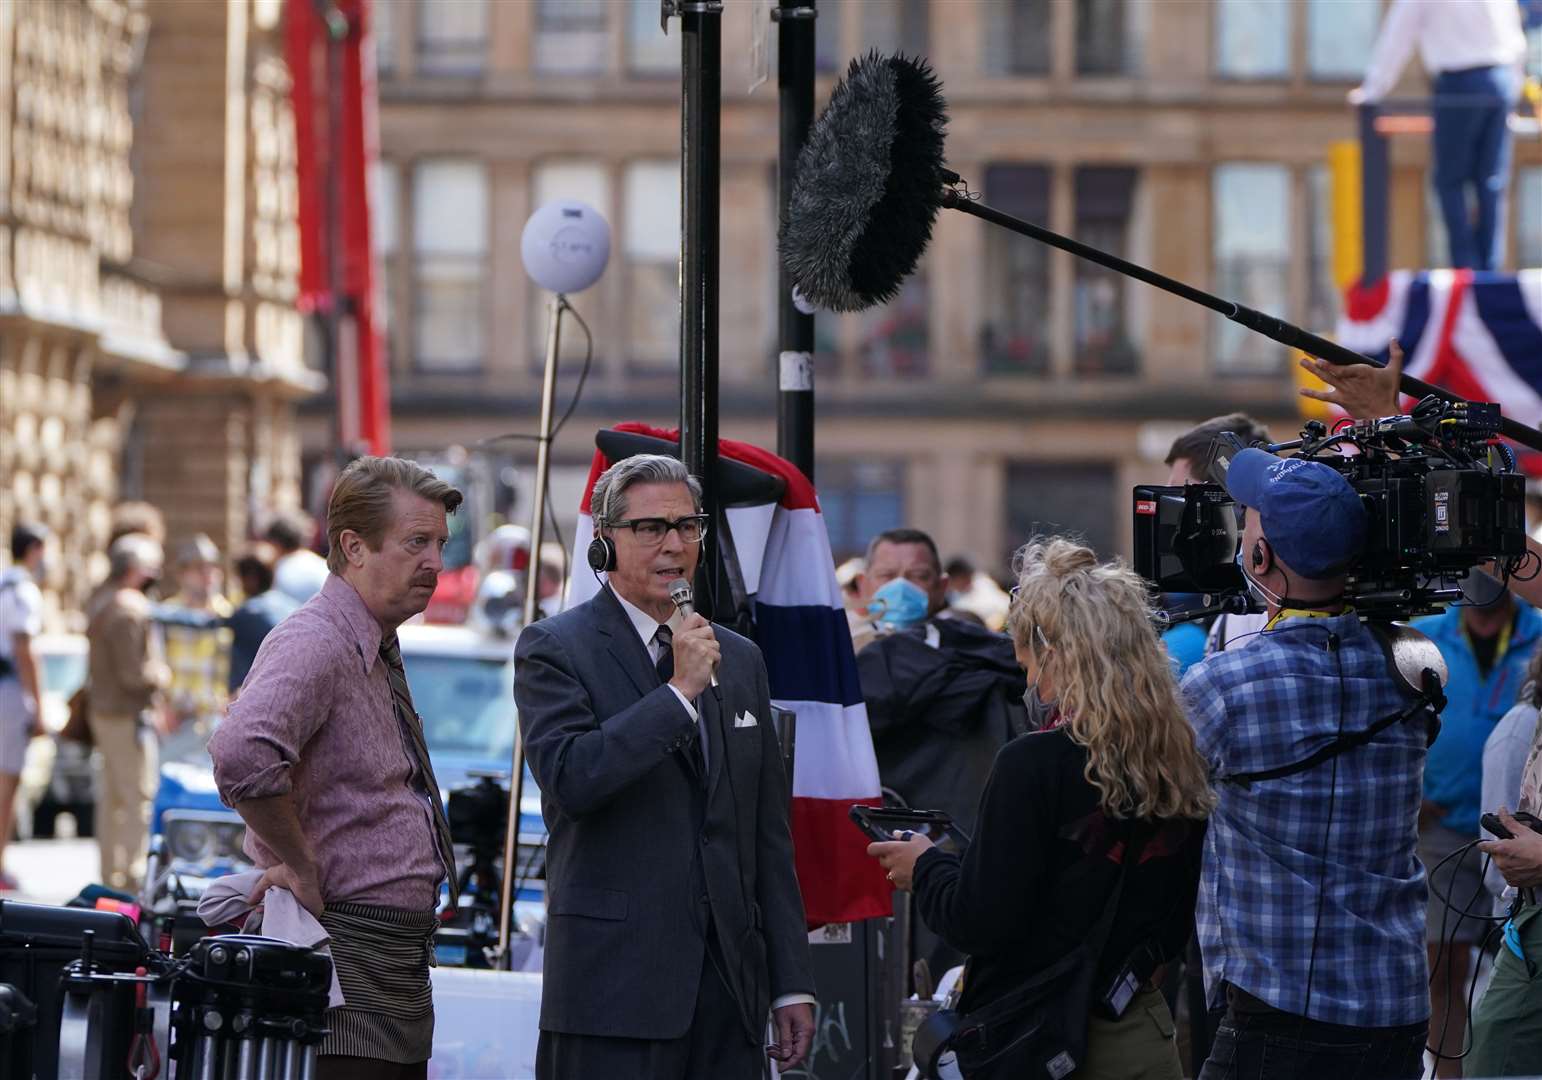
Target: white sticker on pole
[(760, 43), (797, 371)]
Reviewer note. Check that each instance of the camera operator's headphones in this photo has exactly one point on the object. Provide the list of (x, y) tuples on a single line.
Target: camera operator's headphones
[(602, 549)]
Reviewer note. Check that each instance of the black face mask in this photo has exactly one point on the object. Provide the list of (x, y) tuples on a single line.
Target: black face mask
[(1039, 711)]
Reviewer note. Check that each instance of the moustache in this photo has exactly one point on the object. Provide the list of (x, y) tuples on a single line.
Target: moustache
[(430, 580)]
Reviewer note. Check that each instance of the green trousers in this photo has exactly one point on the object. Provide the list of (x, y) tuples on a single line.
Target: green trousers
[(1507, 1026), (1141, 1045)]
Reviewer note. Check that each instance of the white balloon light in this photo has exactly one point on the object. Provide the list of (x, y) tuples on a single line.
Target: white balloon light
[(565, 246)]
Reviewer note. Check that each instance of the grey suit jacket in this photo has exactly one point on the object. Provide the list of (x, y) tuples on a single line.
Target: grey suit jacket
[(609, 744)]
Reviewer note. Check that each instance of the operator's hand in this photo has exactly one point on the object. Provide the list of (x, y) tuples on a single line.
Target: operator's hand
[(1519, 859), (301, 882), (697, 654), (899, 857), (794, 1034), (1364, 391)]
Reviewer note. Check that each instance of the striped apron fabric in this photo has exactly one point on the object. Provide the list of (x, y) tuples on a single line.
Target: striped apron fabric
[(382, 956)]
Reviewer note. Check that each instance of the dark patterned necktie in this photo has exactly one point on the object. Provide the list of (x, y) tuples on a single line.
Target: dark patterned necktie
[(665, 664), (412, 730)]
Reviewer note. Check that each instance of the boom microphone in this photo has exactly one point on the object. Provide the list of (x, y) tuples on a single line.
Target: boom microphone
[(869, 184), (871, 178)]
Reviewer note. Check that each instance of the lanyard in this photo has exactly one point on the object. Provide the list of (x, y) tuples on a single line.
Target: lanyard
[(1500, 647), (1304, 613)]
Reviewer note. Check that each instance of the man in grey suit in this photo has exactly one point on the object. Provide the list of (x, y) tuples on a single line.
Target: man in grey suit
[(675, 925)]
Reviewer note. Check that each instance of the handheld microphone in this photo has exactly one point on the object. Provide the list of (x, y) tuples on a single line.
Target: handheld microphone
[(683, 598)]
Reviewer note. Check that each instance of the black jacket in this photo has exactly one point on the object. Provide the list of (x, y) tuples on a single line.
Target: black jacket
[(643, 849), (1043, 862), (940, 715)]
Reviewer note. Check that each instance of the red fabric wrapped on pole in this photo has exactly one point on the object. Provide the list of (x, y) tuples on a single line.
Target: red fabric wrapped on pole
[(360, 373)]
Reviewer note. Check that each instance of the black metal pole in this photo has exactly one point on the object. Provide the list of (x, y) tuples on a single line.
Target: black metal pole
[(795, 361), (1375, 195), (1257, 321), (701, 48)]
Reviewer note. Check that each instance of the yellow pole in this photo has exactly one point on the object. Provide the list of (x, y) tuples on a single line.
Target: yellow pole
[(1348, 248)]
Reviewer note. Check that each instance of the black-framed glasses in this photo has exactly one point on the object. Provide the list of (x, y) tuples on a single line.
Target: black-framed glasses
[(651, 531)]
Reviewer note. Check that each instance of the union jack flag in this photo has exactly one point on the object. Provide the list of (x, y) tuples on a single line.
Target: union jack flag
[(1476, 334)]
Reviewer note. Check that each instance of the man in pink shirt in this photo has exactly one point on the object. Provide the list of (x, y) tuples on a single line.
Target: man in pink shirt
[(324, 758)]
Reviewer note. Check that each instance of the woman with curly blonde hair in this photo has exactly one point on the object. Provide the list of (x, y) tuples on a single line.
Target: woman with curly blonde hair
[(1114, 763)]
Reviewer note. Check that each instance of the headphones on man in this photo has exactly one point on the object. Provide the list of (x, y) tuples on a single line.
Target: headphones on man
[(602, 549)]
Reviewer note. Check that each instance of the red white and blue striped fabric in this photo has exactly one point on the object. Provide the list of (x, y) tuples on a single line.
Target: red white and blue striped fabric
[(1476, 334), (801, 630)]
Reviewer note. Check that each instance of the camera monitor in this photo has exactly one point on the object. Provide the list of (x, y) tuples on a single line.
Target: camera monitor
[(1186, 538)]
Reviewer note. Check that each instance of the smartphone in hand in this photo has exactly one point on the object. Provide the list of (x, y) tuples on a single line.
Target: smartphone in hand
[(1492, 823)]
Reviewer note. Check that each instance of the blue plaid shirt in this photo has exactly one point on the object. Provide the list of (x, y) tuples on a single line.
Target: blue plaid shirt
[(1269, 702)]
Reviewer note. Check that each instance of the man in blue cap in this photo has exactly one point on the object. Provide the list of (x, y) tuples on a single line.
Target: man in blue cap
[(1311, 902)]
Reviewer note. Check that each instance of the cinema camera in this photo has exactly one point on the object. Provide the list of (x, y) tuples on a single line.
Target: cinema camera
[(1442, 493)]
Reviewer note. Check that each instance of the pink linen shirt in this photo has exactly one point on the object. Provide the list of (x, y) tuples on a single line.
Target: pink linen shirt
[(315, 718)]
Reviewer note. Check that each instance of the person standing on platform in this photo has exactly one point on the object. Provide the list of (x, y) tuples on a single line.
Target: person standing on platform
[(1471, 51)]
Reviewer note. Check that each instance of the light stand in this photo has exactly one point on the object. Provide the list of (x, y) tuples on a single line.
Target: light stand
[(559, 304)]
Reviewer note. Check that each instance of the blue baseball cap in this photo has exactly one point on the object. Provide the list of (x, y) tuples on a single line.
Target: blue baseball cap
[(1310, 515)]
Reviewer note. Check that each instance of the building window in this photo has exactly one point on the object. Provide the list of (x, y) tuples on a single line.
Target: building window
[(449, 248), (1055, 498), (452, 36), (900, 26), (588, 182), (894, 336), (383, 31), (1528, 217), (829, 56), (858, 500), (1017, 39), (1110, 36), (1105, 202), (1339, 37), (1015, 337), (572, 37), (1251, 224), (385, 179), (1252, 39), (651, 244), (649, 51), (1322, 291)]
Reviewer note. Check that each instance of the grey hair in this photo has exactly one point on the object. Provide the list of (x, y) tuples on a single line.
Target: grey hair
[(607, 502), (132, 552)]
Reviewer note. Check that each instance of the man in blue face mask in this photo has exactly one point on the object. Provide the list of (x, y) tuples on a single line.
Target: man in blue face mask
[(943, 695)]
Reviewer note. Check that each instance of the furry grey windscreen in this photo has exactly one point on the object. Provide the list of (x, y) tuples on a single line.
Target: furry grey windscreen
[(868, 185)]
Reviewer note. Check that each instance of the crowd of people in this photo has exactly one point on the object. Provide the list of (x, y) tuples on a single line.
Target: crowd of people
[(159, 672), (1261, 809)]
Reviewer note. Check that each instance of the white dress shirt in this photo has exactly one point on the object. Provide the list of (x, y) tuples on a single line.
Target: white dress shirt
[(647, 628), (1452, 35)]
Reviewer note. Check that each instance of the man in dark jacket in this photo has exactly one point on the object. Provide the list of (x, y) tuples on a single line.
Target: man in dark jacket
[(943, 695)]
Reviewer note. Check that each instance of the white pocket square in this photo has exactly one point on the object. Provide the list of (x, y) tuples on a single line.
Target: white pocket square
[(746, 719)]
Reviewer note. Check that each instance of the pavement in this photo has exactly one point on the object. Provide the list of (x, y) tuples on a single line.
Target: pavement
[(51, 871)]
